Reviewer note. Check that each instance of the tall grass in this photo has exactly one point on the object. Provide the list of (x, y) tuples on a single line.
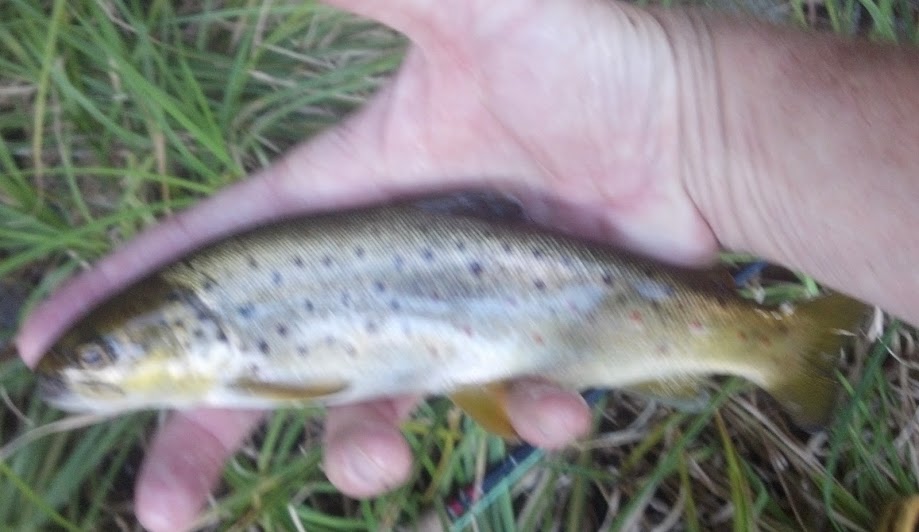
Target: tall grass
[(115, 113)]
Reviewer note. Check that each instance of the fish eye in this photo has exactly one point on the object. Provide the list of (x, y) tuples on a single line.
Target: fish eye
[(93, 355)]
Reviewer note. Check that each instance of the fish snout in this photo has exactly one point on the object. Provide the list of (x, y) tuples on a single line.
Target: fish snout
[(52, 387)]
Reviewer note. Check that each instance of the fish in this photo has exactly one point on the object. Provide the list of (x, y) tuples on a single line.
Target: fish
[(900, 515), (392, 300)]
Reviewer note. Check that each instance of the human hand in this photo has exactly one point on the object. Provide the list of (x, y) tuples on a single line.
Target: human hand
[(572, 107)]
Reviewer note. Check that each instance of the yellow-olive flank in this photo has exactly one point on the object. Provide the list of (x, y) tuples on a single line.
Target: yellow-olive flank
[(393, 300)]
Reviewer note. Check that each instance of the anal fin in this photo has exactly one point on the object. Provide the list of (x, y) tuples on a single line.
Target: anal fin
[(486, 405)]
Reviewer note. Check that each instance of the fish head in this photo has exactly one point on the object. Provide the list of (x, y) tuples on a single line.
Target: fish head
[(136, 350)]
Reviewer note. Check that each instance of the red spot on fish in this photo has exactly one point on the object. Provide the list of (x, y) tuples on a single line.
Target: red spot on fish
[(467, 329), (743, 336), (763, 339), (636, 316), (538, 338), (663, 349)]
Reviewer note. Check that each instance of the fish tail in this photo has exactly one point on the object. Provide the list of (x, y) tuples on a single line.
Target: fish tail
[(818, 331)]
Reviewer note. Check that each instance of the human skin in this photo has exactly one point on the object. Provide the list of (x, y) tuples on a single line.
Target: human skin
[(670, 133)]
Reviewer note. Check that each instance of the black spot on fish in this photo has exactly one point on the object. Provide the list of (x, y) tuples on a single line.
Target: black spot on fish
[(173, 296), (282, 329), (253, 263), (539, 284), (246, 311), (346, 299), (506, 246), (208, 285), (359, 252), (308, 305), (263, 347), (427, 254), (302, 350), (198, 332), (276, 278), (537, 253), (178, 323), (395, 305), (298, 262), (460, 245), (350, 350), (371, 326), (399, 262), (330, 340), (379, 286), (326, 261), (475, 268), (608, 279), (221, 336)]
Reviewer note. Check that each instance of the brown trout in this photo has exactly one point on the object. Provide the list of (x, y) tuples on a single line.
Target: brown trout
[(394, 300)]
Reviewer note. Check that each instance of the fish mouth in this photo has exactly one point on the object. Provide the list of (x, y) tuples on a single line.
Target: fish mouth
[(52, 387)]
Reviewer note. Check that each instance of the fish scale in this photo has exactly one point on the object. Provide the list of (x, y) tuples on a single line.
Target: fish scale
[(394, 300)]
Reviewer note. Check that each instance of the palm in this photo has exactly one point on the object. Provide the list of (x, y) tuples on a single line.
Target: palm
[(537, 101)]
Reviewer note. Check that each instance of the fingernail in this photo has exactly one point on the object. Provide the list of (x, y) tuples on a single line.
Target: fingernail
[(551, 421), (539, 390), (362, 469)]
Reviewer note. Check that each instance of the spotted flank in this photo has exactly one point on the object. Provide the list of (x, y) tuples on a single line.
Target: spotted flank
[(394, 300)]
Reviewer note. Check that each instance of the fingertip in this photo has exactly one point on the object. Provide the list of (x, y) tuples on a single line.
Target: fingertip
[(367, 459), (171, 492), (547, 416), (184, 464), (160, 508)]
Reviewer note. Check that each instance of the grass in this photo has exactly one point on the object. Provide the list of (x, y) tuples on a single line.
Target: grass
[(115, 113)]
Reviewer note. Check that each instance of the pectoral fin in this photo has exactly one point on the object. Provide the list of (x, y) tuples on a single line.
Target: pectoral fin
[(683, 393), (289, 392), (487, 406)]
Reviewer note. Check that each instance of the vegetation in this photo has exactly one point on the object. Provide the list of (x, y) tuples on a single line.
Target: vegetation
[(114, 113)]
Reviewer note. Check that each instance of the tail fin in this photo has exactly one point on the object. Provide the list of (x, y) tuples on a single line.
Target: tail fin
[(809, 392)]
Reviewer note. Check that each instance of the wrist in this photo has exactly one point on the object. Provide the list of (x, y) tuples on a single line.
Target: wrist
[(705, 161), (807, 157)]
